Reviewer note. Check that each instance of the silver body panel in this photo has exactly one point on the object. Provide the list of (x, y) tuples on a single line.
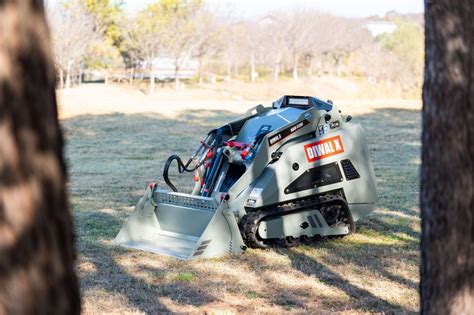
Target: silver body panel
[(277, 176)]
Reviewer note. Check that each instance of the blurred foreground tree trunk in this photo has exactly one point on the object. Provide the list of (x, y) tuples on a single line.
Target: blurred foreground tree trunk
[(36, 237), (447, 207)]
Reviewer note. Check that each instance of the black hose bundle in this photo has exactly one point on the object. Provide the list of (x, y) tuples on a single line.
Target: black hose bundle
[(181, 166), (181, 169), (214, 165)]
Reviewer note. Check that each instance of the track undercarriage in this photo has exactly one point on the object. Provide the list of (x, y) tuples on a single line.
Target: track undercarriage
[(332, 206)]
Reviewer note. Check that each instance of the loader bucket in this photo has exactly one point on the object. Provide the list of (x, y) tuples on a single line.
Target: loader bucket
[(181, 226)]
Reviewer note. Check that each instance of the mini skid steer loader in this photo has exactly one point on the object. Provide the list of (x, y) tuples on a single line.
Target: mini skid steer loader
[(296, 172)]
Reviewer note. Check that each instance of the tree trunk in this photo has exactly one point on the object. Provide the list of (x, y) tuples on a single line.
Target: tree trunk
[(142, 73), (212, 78), (106, 76), (81, 73), (200, 79), (447, 191), (253, 73), (337, 63), (276, 71), (152, 79), (61, 78), (229, 70), (295, 66), (132, 73), (36, 235), (68, 74), (177, 83), (176, 78), (309, 69)]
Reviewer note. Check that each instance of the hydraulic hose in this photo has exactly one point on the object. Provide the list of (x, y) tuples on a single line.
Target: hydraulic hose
[(181, 166), (214, 174), (181, 169), (209, 173)]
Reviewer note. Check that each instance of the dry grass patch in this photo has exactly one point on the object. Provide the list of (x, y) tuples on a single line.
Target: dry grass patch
[(113, 157)]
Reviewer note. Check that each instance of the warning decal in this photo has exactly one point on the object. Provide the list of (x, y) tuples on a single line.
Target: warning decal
[(288, 131), (323, 149)]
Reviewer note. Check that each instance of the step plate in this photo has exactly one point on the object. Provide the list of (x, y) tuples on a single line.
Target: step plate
[(294, 225), (185, 200)]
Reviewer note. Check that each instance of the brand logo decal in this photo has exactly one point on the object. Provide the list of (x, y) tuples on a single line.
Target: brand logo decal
[(323, 149)]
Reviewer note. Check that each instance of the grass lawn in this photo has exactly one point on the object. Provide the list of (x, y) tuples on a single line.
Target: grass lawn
[(112, 158)]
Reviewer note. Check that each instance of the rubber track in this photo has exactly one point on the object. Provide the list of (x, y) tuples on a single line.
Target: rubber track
[(249, 223)]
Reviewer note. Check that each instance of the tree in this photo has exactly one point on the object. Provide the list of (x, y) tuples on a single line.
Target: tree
[(447, 191), (342, 37), (182, 36), (36, 235), (251, 46), (406, 43), (212, 34), (298, 32), (108, 52), (106, 15), (275, 30), (104, 56), (144, 38), (73, 34), (240, 46)]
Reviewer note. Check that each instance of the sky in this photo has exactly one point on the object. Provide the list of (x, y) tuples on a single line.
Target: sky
[(348, 8)]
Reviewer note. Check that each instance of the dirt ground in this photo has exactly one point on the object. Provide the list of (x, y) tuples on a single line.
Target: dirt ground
[(117, 141), (235, 97)]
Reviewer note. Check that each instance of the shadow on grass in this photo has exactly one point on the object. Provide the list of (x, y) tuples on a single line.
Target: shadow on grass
[(112, 277), (113, 157), (362, 299)]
